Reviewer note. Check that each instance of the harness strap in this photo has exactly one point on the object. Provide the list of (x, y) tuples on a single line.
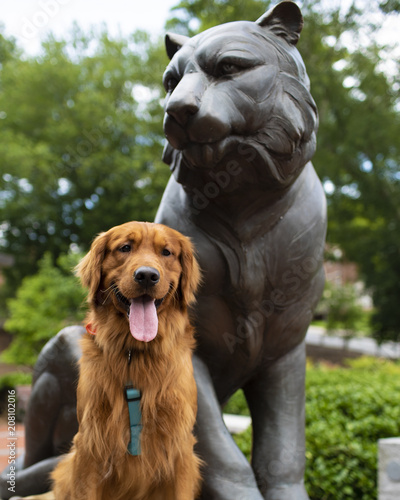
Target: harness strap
[(135, 417)]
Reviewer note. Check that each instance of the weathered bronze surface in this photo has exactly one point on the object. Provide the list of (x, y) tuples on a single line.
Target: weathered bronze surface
[(241, 124)]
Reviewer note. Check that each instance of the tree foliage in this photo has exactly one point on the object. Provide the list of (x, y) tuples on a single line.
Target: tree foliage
[(82, 137), (358, 159), (45, 303), (78, 153), (344, 313)]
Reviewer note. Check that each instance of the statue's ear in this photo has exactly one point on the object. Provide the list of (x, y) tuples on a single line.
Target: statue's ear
[(285, 20), (173, 42)]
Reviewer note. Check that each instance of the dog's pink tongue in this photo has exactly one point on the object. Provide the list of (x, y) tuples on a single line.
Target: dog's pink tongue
[(143, 320)]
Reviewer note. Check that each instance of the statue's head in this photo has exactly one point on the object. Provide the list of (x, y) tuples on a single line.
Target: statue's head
[(240, 92)]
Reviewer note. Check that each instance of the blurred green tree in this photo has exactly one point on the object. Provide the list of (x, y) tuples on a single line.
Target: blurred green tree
[(81, 130), (344, 312), (82, 137), (45, 303), (358, 154)]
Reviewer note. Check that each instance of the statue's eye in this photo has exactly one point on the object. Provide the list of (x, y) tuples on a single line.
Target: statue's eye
[(170, 84), (229, 69), (230, 65), (125, 248)]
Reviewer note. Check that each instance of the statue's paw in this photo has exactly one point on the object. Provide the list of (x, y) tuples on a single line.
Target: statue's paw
[(284, 492), (44, 496), (222, 489)]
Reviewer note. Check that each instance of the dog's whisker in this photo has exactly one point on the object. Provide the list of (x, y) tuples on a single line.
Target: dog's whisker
[(110, 290)]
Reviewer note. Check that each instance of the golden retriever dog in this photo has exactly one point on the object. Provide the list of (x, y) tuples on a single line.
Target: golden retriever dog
[(141, 278)]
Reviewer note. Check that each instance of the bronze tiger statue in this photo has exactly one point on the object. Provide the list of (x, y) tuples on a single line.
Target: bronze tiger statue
[(241, 129)]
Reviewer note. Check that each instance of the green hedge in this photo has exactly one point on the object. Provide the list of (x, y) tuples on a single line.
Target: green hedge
[(11, 380), (347, 411)]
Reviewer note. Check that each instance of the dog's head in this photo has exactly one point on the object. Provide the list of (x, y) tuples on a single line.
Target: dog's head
[(139, 268)]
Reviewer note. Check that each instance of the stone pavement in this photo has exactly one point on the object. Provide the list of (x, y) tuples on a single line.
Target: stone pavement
[(316, 336)]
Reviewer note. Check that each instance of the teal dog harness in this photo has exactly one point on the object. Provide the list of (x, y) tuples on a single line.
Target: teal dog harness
[(135, 419)]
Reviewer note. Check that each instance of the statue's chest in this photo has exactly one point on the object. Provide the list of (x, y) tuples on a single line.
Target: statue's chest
[(249, 276), (237, 271)]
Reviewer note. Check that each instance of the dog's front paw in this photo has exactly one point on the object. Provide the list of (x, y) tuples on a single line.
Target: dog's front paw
[(285, 492)]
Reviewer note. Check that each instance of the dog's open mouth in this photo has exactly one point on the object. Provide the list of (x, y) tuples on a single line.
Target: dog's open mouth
[(142, 314)]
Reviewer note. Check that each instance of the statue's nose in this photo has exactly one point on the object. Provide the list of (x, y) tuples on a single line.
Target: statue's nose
[(184, 101), (198, 112), (181, 110)]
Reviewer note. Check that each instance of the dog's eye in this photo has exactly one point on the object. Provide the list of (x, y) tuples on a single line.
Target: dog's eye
[(166, 252), (125, 248)]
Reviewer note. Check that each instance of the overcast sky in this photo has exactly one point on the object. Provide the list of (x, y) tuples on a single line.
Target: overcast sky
[(30, 20)]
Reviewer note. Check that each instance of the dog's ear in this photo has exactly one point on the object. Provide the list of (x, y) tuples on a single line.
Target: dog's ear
[(191, 276), (89, 268)]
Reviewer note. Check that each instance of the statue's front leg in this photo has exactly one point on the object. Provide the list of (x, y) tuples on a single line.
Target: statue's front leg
[(276, 400), (227, 475)]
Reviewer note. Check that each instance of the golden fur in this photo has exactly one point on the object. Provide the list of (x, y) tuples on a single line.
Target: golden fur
[(99, 467)]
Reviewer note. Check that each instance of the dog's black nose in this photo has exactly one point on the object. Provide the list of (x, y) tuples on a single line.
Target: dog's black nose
[(146, 276)]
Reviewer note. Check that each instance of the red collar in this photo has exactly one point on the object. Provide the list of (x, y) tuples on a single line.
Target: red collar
[(91, 329)]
